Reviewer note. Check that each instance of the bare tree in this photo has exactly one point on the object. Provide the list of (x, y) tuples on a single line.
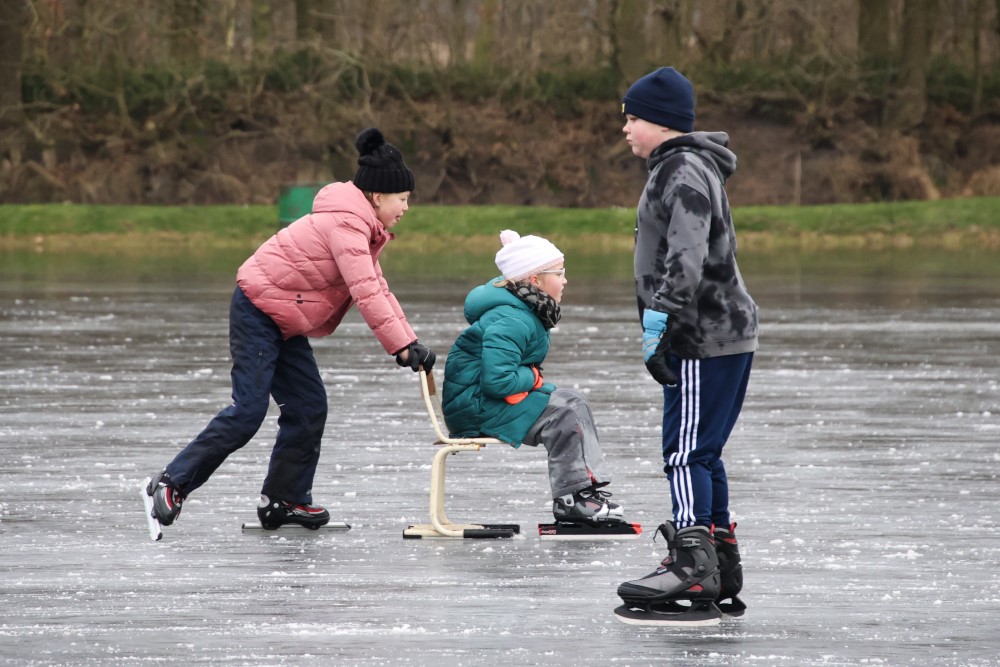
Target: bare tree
[(483, 55), (14, 19), (262, 25), (316, 20), (978, 12), (372, 30), (628, 44), (186, 19), (671, 28), (874, 45), (910, 105), (996, 18), (457, 32)]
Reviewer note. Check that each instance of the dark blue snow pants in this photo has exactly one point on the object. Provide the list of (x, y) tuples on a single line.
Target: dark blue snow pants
[(698, 416), (264, 365)]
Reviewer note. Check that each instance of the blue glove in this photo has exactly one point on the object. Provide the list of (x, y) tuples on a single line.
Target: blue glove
[(656, 347), (654, 325)]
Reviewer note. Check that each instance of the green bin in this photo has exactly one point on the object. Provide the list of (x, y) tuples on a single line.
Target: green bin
[(294, 201)]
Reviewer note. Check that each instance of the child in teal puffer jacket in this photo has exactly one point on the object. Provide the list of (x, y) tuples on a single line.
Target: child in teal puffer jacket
[(493, 382)]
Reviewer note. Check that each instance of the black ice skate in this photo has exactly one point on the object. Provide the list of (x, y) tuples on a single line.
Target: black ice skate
[(274, 514), (167, 500), (162, 501), (730, 572), (590, 506), (682, 591), (588, 515)]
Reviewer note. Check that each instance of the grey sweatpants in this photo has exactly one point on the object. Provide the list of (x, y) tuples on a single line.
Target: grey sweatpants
[(566, 429)]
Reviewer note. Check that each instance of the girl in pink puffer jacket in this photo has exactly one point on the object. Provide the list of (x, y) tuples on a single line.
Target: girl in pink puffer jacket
[(300, 283)]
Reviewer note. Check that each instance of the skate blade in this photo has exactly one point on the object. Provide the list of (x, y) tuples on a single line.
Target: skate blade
[(331, 527), (155, 531), (583, 531), (676, 616), (482, 531), (731, 607)]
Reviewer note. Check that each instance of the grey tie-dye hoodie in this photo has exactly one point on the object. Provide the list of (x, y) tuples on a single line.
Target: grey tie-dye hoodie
[(685, 249)]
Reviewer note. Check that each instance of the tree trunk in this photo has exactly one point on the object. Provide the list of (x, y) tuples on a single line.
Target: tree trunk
[(372, 33), (628, 38), (316, 20), (979, 9), (457, 32), (262, 27), (875, 49), (14, 21), (483, 54), (910, 105), (874, 46), (672, 27), (185, 23)]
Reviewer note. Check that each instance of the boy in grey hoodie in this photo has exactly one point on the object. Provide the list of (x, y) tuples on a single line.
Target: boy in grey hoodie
[(699, 335)]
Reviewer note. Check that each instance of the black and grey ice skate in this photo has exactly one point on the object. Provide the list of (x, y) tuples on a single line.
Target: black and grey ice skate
[(683, 590), (730, 572), (274, 514), (588, 515), (162, 501), (167, 500), (589, 506)]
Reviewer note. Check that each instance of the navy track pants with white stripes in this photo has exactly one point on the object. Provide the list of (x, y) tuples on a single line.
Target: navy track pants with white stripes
[(698, 416)]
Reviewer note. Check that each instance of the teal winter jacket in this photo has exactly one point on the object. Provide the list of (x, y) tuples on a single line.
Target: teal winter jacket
[(491, 360)]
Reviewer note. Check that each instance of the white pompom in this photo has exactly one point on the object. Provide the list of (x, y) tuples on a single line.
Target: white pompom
[(508, 236)]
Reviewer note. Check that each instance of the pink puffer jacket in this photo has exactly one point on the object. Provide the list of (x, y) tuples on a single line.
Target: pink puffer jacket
[(307, 276)]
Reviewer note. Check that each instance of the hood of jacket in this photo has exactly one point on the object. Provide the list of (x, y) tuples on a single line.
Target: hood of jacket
[(713, 146), (486, 297), (347, 198)]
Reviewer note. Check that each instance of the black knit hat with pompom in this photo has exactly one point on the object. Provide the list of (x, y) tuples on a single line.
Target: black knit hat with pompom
[(380, 166)]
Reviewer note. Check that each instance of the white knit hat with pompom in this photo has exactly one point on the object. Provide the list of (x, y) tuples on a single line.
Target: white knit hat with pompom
[(523, 256)]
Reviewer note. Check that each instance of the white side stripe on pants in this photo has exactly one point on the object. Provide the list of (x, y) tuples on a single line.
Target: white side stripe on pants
[(680, 482), (687, 440), (690, 411)]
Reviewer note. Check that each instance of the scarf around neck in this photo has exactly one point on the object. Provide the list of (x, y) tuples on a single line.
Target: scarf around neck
[(543, 305)]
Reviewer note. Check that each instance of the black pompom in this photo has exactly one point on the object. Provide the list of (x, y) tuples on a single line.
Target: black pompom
[(369, 141)]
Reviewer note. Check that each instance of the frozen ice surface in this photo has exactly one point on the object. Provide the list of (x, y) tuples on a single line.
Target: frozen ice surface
[(864, 477)]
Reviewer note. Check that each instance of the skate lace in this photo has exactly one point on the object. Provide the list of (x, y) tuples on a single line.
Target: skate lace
[(600, 495), (662, 530)]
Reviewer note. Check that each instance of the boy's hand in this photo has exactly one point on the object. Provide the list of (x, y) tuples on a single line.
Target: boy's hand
[(416, 355), (656, 347), (658, 364), (654, 326)]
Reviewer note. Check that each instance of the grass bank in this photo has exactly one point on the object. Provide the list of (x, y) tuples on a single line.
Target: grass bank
[(137, 230)]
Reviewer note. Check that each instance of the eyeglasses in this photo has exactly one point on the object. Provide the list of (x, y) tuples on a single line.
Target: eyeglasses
[(554, 272)]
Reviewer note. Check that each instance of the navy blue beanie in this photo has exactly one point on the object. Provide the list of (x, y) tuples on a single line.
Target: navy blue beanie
[(663, 97)]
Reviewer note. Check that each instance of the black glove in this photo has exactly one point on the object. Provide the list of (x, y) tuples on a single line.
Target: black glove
[(419, 355), (658, 363)]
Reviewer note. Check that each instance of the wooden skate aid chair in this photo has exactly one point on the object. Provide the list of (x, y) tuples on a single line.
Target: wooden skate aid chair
[(440, 525)]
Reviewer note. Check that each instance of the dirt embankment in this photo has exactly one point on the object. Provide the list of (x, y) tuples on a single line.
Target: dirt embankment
[(493, 153)]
